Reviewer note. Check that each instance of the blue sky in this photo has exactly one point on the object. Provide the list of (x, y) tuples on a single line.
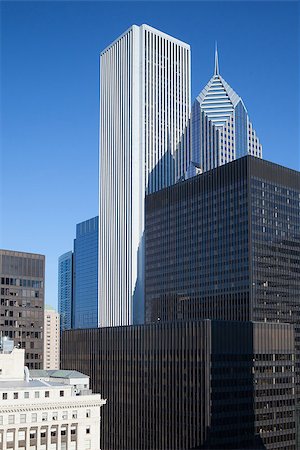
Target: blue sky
[(50, 99)]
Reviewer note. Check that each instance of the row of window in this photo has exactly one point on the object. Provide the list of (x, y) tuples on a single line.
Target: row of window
[(33, 417), (21, 282), (26, 394)]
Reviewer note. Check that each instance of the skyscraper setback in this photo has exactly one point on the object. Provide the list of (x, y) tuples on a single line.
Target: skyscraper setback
[(144, 111)]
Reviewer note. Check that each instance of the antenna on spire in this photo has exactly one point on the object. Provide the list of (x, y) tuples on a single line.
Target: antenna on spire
[(216, 60)]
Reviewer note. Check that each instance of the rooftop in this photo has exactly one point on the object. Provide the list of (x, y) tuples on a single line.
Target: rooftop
[(67, 374)]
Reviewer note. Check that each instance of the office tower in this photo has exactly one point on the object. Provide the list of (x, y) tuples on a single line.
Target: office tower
[(220, 127), (190, 384), (65, 290), (226, 245), (51, 338), (42, 409), (144, 111), (85, 275), (22, 303)]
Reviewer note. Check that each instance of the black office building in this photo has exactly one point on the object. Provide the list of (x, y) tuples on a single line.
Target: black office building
[(190, 384), (226, 245)]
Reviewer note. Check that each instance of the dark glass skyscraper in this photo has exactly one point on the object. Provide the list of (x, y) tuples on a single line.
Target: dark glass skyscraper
[(190, 384), (22, 278), (85, 301), (226, 245)]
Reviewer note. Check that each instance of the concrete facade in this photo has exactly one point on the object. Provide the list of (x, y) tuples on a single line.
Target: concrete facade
[(36, 414), (51, 339)]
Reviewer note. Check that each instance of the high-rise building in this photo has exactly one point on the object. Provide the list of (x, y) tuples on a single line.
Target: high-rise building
[(226, 245), (85, 275), (51, 338), (22, 278), (78, 279), (65, 290), (220, 127), (45, 410), (190, 384), (144, 111)]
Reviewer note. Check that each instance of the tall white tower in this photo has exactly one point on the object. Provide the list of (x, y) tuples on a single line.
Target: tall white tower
[(144, 111)]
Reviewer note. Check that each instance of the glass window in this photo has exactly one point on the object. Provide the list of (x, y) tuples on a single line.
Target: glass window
[(10, 436), (54, 415), (22, 418), (26, 394), (34, 417), (11, 419), (44, 416), (61, 393), (88, 413), (74, 415), (37, 394), (47, 393), (4, 396), (65, 415), (21, 435), (16, 395)]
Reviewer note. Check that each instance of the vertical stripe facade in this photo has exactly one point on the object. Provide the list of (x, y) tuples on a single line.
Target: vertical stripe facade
[(144, 111), (190, 384)]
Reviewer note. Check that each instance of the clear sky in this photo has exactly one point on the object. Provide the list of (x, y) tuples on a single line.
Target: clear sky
[(50, 99)]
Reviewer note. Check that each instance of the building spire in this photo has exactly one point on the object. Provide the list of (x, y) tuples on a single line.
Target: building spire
[(216, 60)]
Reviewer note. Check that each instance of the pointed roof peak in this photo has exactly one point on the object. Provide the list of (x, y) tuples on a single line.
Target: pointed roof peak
[(216, 72)]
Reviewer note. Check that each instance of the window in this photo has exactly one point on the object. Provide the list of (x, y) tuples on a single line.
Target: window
[(1, 420), (21, 435), (54, 416), (88, 430), (88, 413), (26, 394), (74, 415), (73, 431), (64, 415), (44, 417), (11, 419), (34, 417), (22, 418), (10, 436), (61, 393), (47, 393), (37, 394), (4, 396), (16, 395), (43, 434)]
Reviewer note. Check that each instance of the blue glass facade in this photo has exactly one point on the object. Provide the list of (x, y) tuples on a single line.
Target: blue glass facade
[(85, 304), (241, 130), (65, 290)]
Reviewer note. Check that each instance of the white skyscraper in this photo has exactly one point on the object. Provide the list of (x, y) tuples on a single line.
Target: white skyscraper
[(144, 111), (221, 130)]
